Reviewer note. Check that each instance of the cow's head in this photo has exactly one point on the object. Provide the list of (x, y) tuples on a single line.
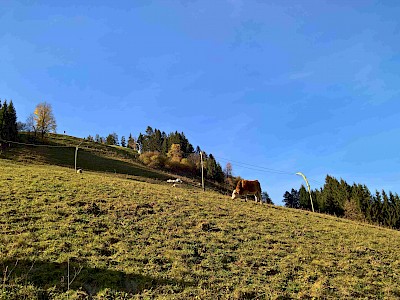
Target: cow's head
[(235, 194)]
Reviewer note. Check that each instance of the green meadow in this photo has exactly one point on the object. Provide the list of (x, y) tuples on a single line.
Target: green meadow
[(99, 235)]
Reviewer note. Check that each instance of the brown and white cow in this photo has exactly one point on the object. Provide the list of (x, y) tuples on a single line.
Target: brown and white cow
[(247, 187)]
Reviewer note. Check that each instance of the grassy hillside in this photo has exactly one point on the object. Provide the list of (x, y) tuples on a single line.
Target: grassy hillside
[(59, 150), (127, 239)]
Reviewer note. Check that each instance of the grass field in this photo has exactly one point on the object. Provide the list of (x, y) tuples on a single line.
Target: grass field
[(102, 236), (60, 150)]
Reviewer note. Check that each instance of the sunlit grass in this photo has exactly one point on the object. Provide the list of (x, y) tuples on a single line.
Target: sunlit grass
[(130, 239)]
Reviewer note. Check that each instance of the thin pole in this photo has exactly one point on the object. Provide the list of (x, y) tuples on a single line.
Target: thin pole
[(308, 186), (202, 171), (76, 154)]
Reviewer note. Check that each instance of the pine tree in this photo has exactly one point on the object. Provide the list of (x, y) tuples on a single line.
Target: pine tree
[(131, 142), (334, 203), (296, 198), (304, 198), (157, 140), (386, 214), (123, 142), (319, 204), (3, 113), (266, 198), (198, 150), (164, 145), (141, 142), (11, 123), (288, 199), (291, 199), (214, 169), (112, 139), (376, 208)]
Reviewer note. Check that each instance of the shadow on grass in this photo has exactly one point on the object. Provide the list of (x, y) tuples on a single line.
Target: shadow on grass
[(86, 160), (45, 275)]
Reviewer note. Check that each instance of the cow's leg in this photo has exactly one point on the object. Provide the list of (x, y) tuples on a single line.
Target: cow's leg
[(257, 197)]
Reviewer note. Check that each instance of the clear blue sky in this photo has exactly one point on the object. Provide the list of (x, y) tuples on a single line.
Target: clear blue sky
[(310, 86)]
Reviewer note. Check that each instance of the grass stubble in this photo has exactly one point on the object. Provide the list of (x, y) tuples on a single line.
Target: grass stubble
[(125, 239)]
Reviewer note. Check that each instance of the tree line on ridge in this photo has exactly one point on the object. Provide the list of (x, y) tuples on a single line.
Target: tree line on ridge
[(354, 202), (172, 152)]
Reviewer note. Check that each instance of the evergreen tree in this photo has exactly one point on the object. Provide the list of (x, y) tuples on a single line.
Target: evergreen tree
[(164, 144), (386, 211), (11, 123), (356, 208), (123, 142), (304, 198), (131, 142), (149, 131), (157, 140), (112, 139), (3, 113), (291, 199), (266, 198), (198, 150), (319, 204), (334, 203), (187, 148), (141, 142), (8, 122), (395, 206), (214, 169), (296, 198), (361, 197), (376, 208)]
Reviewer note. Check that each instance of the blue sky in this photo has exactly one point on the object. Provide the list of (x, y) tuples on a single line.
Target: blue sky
[(310, 86)]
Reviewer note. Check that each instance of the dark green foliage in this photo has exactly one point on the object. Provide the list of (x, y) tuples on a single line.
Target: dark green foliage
[(214, 169), (123, 141), (291, 199), (131, 142), (353, 202), (155, 140), (333, 196), (266, 198), (304, 198), (112, 139), (8, 122)]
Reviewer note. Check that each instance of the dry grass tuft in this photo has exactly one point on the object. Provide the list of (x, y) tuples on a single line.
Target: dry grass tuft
[(126, 239)]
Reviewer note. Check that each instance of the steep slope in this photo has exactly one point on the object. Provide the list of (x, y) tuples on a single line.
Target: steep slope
[(61, 150), (127, 239)]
